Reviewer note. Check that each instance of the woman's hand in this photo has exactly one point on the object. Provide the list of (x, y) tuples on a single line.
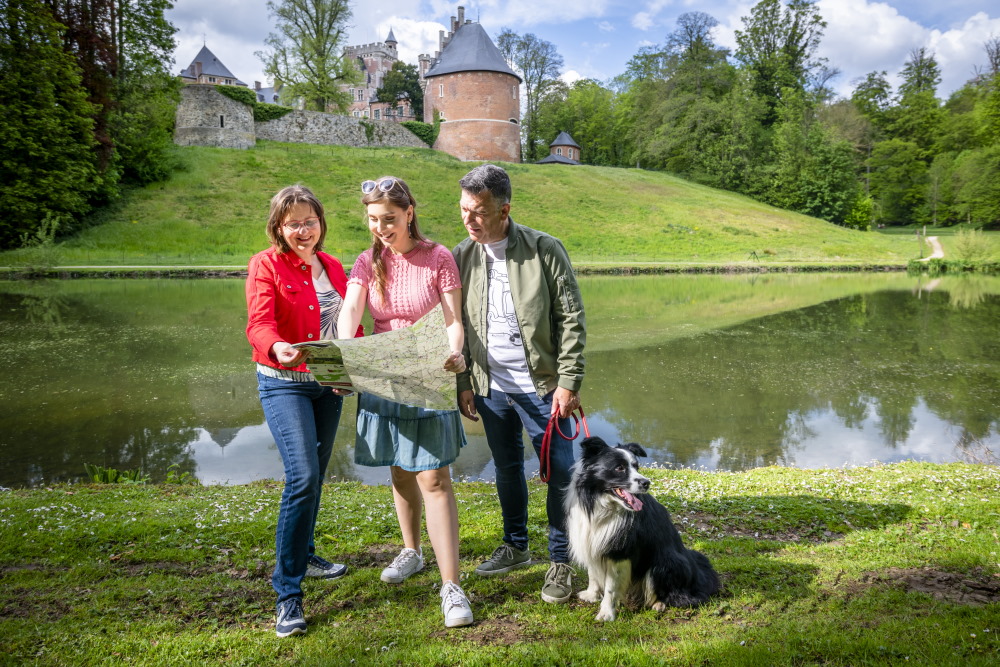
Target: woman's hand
[(288, 356), (455, 363)]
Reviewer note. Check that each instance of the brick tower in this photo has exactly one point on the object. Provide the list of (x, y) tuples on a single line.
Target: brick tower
[(476, 94)]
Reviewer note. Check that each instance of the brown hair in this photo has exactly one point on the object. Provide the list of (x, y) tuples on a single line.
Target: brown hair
[(282, 203), (398, 195)]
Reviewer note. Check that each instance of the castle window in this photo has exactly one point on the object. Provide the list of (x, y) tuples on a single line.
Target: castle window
[(558, 150), (229, 81), (441, 90), (513, 92), (222, 121), (376, 114), (513, 120), (357, 114), (211, 79)]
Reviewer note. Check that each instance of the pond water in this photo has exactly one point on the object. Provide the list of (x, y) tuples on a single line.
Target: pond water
[(710, 372)]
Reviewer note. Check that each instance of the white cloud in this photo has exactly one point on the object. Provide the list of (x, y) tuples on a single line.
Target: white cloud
[(535, 12), (863, 36), (571, 76), (605, 26), (413, 37), (960, 49)]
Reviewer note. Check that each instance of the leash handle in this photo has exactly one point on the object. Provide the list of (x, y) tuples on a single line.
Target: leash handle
[(545, 457)]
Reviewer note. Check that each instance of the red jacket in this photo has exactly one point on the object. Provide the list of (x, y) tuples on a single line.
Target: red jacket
[(282, 303)]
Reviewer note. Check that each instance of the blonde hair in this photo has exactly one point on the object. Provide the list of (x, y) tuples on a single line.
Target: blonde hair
[(398, 195), (282, 203)]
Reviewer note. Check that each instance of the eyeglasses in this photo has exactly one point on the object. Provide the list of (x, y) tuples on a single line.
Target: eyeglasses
[(296, 225), (384, 185)]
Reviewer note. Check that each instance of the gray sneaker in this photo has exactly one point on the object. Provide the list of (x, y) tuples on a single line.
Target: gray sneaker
[(291, 620), (402, 566), (558, 584), (504, 559), (324, 569)]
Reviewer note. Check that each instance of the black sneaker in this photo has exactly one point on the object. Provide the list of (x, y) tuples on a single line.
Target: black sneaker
[(317, 567), (291, 619)]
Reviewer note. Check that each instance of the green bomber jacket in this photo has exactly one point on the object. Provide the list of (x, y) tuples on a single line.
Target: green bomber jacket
[(547, 302)]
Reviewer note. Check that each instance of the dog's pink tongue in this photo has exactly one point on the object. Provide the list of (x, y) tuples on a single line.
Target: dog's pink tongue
[(629, 499)]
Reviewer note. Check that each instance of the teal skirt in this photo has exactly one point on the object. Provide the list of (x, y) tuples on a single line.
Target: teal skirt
[(415, 439)]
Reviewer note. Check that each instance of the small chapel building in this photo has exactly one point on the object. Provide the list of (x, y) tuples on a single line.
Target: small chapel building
[(562, 150)]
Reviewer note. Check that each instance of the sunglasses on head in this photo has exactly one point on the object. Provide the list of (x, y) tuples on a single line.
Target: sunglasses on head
[(386, 184)]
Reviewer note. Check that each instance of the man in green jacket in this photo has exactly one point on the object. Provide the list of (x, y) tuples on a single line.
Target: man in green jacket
[(524, 339)]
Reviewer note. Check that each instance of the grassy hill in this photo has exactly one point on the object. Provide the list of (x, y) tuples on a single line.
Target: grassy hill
[(213, 212)]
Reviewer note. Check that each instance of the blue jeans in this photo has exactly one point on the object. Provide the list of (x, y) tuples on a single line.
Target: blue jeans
[(504, 415), (303, 418)]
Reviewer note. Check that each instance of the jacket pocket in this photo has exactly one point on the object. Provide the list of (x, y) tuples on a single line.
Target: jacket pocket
[(568, 293)]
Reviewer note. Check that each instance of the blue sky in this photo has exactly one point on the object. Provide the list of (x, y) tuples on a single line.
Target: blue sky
[(596, 38)]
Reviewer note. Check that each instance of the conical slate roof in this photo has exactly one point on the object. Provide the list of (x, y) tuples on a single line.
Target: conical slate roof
[(209, 65), (470, 50), (564, 140), (391, 37)]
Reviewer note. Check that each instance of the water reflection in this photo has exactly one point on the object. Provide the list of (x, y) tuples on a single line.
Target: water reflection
[(718, 372)]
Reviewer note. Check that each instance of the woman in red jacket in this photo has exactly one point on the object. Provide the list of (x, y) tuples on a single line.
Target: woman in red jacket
[(294, 293)]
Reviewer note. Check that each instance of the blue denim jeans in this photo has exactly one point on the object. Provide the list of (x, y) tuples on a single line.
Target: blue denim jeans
[(504, 415), (303, 418)]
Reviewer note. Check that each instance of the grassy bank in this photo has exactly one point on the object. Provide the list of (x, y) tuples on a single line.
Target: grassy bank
[(212, 213), (875, 565)]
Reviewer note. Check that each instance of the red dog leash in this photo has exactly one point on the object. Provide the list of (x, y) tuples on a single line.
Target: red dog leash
[(545, 457)]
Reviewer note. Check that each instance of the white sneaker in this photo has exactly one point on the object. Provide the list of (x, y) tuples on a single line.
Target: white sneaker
[(402, 566), (455, 606)]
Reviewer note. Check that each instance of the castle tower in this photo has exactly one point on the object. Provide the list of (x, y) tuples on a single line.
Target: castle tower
[(476, 94)]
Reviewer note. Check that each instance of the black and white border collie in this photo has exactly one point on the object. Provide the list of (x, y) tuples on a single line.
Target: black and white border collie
[(626, 539)]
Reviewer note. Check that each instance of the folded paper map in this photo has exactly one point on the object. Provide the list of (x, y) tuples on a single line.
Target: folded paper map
[(405, 365)]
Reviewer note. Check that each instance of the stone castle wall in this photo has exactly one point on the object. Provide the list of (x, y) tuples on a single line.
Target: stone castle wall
[(206, 117), (312, 127)]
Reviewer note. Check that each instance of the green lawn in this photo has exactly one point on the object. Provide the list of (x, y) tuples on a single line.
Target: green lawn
[(212, 213), (880, 565)]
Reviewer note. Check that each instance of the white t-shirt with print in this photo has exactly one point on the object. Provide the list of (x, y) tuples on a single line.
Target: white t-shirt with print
[(505, 350)]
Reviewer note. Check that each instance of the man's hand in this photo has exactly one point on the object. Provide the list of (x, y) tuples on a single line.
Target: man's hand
[(564, 402), (467, 404)]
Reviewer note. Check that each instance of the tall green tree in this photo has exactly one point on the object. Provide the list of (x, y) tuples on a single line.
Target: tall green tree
[(306, 52), (402, 82), (539, 64), (48, 166), (778, 46), (123, 49), (918, 116), (145, 91)]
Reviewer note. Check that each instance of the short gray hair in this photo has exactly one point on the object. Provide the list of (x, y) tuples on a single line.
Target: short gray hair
[(488, 177)]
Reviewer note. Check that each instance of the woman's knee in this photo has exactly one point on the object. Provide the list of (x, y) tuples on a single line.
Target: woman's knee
[(435, 481)]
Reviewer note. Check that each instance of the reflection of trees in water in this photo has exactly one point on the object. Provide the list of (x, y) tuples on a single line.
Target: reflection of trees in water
[(973, 449), (744, 393), (967, 291), (43, 311)]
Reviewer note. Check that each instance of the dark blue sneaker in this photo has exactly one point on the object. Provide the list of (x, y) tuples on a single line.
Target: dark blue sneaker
[(317, 567), (291, 619)]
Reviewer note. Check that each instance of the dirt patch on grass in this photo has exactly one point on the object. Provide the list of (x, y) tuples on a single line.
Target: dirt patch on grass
[(502, 631), (974, 589)]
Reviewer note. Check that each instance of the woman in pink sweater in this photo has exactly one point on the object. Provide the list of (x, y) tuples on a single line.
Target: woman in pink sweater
[(401, 278)]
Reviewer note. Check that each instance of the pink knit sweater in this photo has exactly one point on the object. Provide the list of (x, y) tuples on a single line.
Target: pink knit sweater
[(414, 284)]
